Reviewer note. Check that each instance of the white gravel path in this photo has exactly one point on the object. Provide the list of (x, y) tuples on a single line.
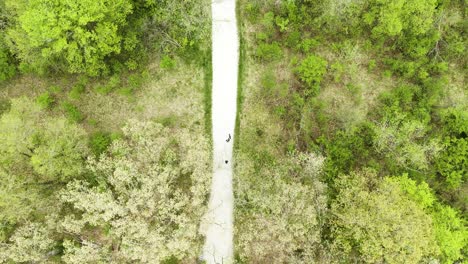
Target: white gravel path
[(218, 222)]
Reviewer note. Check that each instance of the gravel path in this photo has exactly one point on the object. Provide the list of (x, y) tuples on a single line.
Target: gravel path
[(218, 222)]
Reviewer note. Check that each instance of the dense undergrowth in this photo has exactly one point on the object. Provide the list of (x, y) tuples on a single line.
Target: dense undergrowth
[(361, 105), (105, 155)]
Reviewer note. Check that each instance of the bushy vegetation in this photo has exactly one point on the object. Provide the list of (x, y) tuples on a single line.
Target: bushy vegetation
[(95, 37), (85, 160), (351, 145), (376, 88)]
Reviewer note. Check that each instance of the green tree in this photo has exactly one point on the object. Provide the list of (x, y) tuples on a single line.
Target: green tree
[(7, 67), (146, 201), (450, 229), (29, 243), (37, 154), (75, 35), (53, 147), (408, 22), (395, 17), (405, 141), (372, 221)]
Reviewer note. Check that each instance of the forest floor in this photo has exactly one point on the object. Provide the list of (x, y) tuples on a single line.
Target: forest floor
[(218, 222)]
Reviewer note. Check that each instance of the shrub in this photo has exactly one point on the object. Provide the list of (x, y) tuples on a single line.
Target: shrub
[(4, 105), (99, 142), (269, 52), (452, 163), (7, 69), (72, 112), (307, 44), (311, 71), (167, 63), (76, 91), (45, 100)]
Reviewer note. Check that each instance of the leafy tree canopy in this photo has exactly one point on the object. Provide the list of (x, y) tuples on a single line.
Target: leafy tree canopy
[(75, 35), (146, 202), (375, 219)]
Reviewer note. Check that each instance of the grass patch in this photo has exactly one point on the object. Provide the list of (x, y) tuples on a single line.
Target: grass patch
[(240, 76), (207, 92)]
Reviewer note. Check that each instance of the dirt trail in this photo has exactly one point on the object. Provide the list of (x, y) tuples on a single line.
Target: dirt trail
[(218, 222)]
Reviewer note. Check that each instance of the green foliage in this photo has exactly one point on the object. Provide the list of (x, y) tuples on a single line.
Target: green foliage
[(80, 40), (167, 63), (72, 112), (405, 142), (375, 220), (450, 229), (4, 105), (7, 68), (311, 71), (452, 163), (52, 146), (99, 142), (138, 198), (45, 100), (269, 51), (348, 150), (38, 153), (392, 18), (451, 233), (66, 139)]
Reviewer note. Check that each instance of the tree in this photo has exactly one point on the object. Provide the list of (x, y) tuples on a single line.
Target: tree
[(450, 229), (409, 22), (54, 148), (372, 221), (146, 201), (29, 243), (7, 67), (37, 154), (392, 18), (88, 36), (76, 35), (292, 204)]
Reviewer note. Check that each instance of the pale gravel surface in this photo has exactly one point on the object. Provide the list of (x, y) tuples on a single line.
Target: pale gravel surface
[(217, 224)]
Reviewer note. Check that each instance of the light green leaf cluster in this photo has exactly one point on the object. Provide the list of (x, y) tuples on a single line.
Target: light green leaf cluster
[(53, 147), (450, 229), (150, 197), (36, 152), (311, 71), (375, 219), (77, 35), (29, 243), (395, 17)]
